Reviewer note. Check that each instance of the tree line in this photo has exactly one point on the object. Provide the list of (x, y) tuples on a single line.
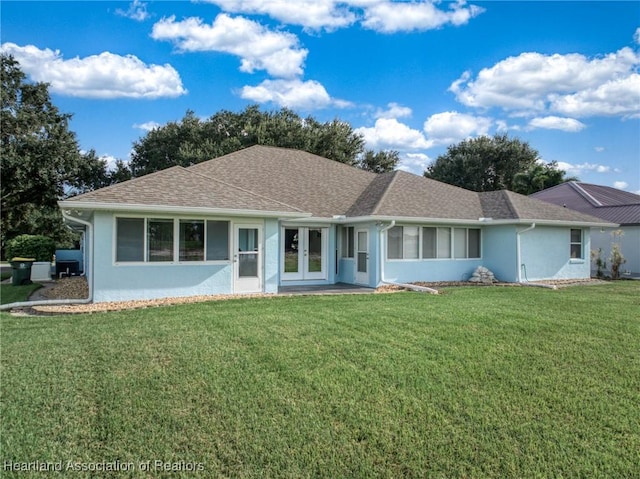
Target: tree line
[(42, 163)]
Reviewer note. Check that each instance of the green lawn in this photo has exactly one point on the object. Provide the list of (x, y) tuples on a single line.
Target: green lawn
[(477, 382), (14, 294)]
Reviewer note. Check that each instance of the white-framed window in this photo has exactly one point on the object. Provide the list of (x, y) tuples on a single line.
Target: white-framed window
[(347, 242), (576, 249), (168, 240), (431, 242)]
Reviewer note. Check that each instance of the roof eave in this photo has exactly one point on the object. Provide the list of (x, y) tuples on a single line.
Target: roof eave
[(153, 209), (478, 221)]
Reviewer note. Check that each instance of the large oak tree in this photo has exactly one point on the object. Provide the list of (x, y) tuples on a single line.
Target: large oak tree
[(495, 163), (192, 140)]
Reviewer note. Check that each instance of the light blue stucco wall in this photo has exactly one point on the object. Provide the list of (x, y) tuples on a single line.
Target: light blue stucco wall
[(545, 254), (123, 282), (270, 257), (499, 252)]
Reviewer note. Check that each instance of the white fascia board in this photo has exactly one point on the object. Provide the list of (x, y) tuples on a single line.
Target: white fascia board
[(478, 222), (575, 224), (78, 205)]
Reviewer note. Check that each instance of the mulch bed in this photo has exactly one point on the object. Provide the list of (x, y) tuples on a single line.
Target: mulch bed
[(76, 288)]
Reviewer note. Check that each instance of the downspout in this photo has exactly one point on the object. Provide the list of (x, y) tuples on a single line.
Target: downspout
[(52, 302), (519, 252), (413, 287)]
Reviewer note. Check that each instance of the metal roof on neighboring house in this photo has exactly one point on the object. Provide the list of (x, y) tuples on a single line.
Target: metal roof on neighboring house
[(610, 204), (270, 179)]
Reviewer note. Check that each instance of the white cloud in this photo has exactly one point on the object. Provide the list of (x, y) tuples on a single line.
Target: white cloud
[(389, 133), (147, 126), (307, 95), (97, 76), (137, 11), (394, 110), (621, 185), (379, 15), (576, 170), (636, 36), (390, 17), (259, 48), (451, 127), (570, 84), (599, 149), (556, 123), (619, 97), (311, 14), (414, 162)]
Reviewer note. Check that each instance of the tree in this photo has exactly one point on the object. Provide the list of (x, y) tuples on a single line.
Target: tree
[(380, 162), (497, 163), (39, 156), (93, 172), (539, 177), (40, 159), (191, 140)]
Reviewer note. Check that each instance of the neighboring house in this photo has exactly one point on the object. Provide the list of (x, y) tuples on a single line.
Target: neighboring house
[(263, 218), (609, 204)]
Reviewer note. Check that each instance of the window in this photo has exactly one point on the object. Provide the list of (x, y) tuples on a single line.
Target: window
[(394, 243), (459, 243), (155, 240), (130, 239), (466, 242), (576, 244), (411, 242), (347, 242), (429, 242), (159, 240), (191, 240), (217, 240), (474, 243), (444, 242)]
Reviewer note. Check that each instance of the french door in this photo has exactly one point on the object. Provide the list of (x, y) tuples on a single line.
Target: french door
[(247, 259), (304, 253)]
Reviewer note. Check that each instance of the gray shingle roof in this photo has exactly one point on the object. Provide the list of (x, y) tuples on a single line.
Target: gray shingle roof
[(312, 183), (262, 178), (509, 205), (604, 202), (406, 195), (179, 187)]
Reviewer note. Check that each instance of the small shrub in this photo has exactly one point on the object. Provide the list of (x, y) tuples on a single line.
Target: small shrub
[(601, 264), (39, 247), (616, 258)]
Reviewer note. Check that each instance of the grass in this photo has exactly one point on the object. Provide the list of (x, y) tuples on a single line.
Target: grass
[(478, 382), (13, 294)]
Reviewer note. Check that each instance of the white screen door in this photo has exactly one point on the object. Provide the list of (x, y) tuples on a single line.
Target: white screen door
[(362, 256), (247, 259)]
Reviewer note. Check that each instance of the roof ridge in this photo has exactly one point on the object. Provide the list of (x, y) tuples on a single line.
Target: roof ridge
[(394, 175), (211, 178), (581, 191), (512, 207)]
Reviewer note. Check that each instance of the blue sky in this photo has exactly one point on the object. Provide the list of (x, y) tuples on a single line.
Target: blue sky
[(410, 76)]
